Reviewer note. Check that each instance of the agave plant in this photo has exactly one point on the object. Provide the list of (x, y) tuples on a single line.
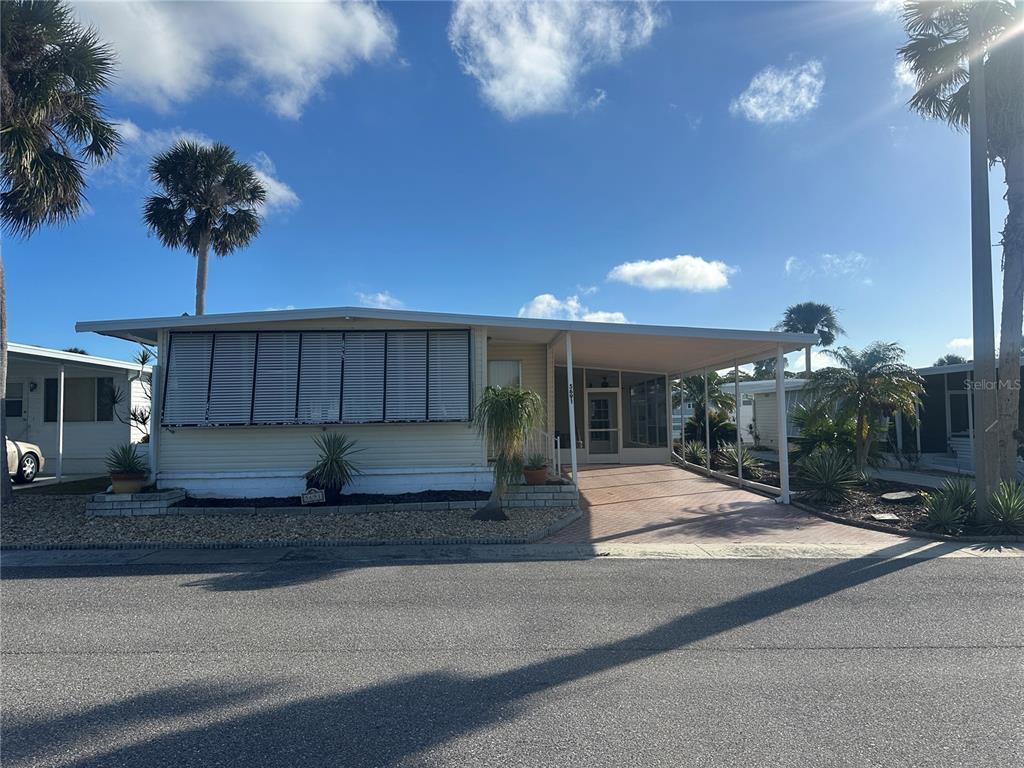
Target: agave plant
[(123, 459), (960, 491), (828, 476), (944, 514), (1006, 508), (334, 468), (505, 415), (695, 452), (729, 459)]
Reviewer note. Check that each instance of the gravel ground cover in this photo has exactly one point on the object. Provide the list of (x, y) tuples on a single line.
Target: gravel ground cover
[(61, 520)]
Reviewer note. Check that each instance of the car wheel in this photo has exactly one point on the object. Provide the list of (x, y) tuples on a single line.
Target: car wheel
[(27, 468)]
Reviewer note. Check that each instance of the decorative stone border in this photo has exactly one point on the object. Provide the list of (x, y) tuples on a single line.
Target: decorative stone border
[(132, 504)]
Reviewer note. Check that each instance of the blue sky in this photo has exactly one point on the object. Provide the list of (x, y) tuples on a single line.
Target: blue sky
[(691, 163)]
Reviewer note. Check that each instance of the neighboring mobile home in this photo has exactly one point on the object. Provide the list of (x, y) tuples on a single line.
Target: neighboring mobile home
[(240, 396), (97, 394)]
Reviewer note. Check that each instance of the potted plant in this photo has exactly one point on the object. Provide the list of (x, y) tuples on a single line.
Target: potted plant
[(334, 468), (536, 469), (128, 470)]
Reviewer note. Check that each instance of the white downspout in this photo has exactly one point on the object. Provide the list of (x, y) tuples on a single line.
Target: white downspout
[(572, 405), (780, 399), (60, 422)]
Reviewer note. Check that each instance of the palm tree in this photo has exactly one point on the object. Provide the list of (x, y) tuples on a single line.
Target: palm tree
[(692, 388), (869, 385), (812, 317), (52, 72), (209, 200), (938, 52), (951, 360), (505, 415)]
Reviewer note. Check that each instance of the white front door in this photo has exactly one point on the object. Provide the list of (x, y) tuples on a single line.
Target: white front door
[(603, 426)]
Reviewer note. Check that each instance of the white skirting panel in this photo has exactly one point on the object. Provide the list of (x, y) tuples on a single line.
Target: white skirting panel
[(288, 483)]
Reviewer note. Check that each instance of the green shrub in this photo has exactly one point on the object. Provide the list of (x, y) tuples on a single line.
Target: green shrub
[(945, 515), (827, 476), (124, 460), (695, 452), (334, 468), (727, 460), (821, 424), (536, 461), (723, 431), (1007, 510), (960, 491)]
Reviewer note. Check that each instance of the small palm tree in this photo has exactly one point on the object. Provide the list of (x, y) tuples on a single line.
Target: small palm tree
[(692, 388), (505, 415), (812, 317), (869, 385), (938, 51), (52, 72), (208, 200), (951, 360)]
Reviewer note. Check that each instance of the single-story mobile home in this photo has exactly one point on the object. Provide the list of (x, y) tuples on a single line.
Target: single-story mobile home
[(97, 395), (240, 396)]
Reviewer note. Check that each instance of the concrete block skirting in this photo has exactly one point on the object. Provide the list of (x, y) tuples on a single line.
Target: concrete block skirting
[(133, 504), (161, 503)]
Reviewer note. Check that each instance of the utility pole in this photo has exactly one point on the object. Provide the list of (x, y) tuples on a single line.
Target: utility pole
[(986, 441)]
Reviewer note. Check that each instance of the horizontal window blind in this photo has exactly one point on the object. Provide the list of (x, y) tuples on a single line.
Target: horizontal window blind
[(364, 377), (188, 378), (317, 377), (448, 377), (231, 378), (277, 375), (406, 390), (321, 360)]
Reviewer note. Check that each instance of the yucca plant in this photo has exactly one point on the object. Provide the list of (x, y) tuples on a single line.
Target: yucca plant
[(729, 459), (1006, 508), (334, 468), (945, 515), (695, 452), (960, 490), (504, 415), (123, 459), (828, 476)]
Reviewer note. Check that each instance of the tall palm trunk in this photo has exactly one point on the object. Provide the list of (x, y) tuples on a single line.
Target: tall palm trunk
[(6, 491), (1012, 314), (202, 264), (863, 435), (807, 360)]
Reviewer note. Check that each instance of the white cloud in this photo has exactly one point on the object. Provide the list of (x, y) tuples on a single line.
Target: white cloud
[(279, 195), (781, 95), (962, 344), (793, 265), (850, 266), (169, 53), (547, 306), (131, 164), (682, 273), (888, 7), (380, 300), (528, 57)]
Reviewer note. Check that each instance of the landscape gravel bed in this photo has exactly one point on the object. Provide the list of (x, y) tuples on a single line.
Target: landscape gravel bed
[(61, 521)]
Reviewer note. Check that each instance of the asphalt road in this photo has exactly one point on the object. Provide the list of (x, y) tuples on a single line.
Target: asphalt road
[(600, 663)]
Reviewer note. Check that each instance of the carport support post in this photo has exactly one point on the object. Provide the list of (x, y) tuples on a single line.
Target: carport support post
[(739, 444), (780, 401), (707, 422), (60, 422), (572, 404)]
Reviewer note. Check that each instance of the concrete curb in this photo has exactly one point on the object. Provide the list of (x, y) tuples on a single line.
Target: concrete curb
[(530, 538), (915, 534)]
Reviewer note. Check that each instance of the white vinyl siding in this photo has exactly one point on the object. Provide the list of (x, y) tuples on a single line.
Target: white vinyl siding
[(188, 379), (277, 359), (406, 382), (448, 376), (364, 378), (231, 378), (321, 359)]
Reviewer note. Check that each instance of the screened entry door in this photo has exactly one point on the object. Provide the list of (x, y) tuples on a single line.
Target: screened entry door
[(603, 425)]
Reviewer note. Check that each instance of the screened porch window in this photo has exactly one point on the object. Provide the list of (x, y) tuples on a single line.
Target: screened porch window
[(317, 377), (85, 399), (644, 411)]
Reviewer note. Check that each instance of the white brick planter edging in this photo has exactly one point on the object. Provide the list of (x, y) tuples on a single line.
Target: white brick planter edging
[(161, 503)]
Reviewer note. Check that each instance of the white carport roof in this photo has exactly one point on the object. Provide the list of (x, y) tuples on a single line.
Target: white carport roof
[(29, 352), (650, 348)]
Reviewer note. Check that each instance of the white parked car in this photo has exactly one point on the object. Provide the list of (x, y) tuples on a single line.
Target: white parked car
[(24, 460)]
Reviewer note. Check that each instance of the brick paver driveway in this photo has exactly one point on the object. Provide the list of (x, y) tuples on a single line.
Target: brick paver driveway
[(659, 503)]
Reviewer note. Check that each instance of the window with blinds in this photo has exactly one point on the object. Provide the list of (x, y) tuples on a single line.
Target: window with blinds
[(317, 377)]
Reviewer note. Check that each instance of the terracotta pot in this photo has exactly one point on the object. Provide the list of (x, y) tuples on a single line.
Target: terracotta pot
[(123, 483), (536, 476)]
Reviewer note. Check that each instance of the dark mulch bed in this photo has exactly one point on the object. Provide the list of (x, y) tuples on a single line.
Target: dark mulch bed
[(866, 501), (346, 500)]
